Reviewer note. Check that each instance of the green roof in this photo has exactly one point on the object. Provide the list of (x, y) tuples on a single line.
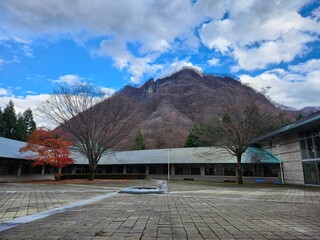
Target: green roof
[(259, 155), (311, 119), (203, 155)]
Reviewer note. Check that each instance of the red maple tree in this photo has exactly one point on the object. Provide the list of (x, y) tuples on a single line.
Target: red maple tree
[(50, 148)]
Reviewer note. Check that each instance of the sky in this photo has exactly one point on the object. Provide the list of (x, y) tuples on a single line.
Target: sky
[(270, 45)]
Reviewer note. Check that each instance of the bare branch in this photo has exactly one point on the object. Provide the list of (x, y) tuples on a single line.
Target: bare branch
[(93, 123)]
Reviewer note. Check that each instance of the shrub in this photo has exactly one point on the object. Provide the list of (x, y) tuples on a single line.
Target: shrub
[(105, 176)]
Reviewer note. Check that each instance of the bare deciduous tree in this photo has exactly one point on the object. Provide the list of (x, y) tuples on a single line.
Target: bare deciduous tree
[(243, 120), (94, 124)]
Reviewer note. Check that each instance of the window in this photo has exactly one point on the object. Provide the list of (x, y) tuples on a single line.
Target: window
[(258, 170), (311, 172), (114, 169), (303, 148), (210, 171), (155, 169), (310, 148), (316, 140), (136, 169), (219, 170), (178, 168), (247, 170), (230, 170), (270, 170), (195, 170), (310, 144), (183, 169)]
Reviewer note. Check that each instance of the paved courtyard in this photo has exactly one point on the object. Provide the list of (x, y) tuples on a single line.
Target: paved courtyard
[(191, 210)]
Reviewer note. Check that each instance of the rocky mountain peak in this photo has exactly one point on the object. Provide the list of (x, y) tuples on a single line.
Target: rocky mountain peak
[(167, 108)]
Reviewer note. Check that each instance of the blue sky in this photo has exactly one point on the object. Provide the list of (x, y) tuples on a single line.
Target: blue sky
[(262, 43)]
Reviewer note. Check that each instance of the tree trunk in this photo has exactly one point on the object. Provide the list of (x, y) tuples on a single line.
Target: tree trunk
[(57, 175), (92, 171), (239, 170)]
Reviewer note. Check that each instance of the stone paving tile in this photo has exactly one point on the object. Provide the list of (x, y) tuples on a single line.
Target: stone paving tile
[(303, 194), (180, 216), (19, 200)]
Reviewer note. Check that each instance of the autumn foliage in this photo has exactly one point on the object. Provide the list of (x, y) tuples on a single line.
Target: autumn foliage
[(48, 147)]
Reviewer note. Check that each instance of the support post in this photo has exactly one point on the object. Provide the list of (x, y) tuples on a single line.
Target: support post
[(168, 151), (281, 165), (42, 170), (202, 171), (19, 168), (173, 170)]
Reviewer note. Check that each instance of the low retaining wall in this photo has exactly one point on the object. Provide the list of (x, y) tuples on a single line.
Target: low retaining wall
[(211, 178), (24, 178)]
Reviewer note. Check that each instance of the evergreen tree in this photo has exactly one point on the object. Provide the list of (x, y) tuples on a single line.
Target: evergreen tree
[(193, 139), (2, 125), (299, 116), (201, 135), (10, 119), (139, 142), (28, 120), (20, 131)]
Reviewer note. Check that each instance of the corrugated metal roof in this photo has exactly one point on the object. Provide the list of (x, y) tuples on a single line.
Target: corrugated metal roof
[(314, 118), (9, 148), (204, 155)]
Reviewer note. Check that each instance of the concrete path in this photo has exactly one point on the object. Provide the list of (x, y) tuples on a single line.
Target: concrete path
[(189, 211)]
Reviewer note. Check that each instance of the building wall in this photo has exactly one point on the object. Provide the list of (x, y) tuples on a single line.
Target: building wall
[(208, 172), (212, 178), (287, 148)]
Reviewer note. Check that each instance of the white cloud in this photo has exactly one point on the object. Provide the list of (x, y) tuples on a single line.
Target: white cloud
[(69, 80), (136, 66), (297, 87), (316, 13), (213, 62), (272, 52), (107, 91), (30, 101), (140, 66), (260, 33), (309, 66), (3, 92), (28, 52), (117, 50), (153, 25), (176, 66), (243, 30)]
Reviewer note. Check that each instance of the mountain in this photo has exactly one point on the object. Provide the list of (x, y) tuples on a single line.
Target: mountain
[(298, 114), (166, 109), (309, 109)]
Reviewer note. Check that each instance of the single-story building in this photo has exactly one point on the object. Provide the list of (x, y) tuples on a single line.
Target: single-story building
[(206, 163), (296, 145), (198, 163)]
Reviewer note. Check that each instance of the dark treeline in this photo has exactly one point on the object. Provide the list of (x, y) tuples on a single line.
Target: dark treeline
[(16, 126)]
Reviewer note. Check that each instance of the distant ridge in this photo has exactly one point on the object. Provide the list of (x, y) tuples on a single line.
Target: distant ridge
[(167, 108)]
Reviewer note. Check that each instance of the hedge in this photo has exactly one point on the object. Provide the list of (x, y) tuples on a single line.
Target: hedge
[(105, 176)]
